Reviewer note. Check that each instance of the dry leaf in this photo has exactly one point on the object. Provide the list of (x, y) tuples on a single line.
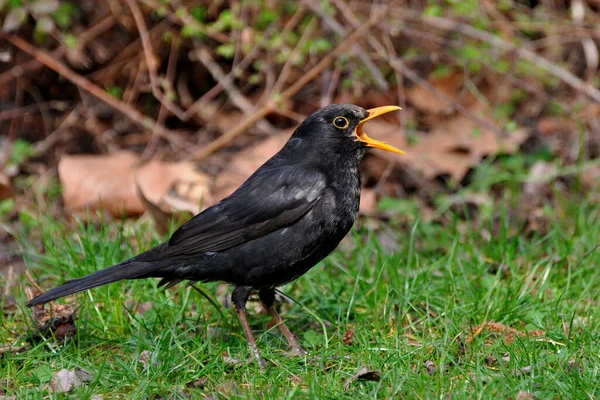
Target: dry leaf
[(197, 383), (451, 148), (523, 395), (348, 336), (58, 322), (364, 374), (109, 182), (429, 367), (161, 217), (425, 100), (66, 380), (6, 191)]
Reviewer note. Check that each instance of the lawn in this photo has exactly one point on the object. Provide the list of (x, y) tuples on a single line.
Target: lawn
[(475, 307)]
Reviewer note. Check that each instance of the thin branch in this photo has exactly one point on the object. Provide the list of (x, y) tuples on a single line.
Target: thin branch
[(339, 29), (235, 95), (21, 69), (397, 64), (292, 90), (134, 115), (151, 60), (521, 51)]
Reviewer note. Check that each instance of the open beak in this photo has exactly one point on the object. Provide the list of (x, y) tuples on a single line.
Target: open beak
[(362, 136)]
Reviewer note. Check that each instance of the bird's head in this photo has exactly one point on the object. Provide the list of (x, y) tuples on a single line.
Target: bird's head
[(340, 127)]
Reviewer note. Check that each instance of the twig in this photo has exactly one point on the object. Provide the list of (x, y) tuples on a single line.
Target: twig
[(43, 146), (339, 29), (134, 115), (131, 51), (198, 105), (397, 64), (33, 108), (289, 63), (292, 90), (151, 60), (11, 348), (236, 97), (522, 52), (185, 19), (162, 112), (21, 69)]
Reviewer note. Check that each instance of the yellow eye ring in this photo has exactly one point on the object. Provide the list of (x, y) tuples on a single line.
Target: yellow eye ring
[(341, 122)]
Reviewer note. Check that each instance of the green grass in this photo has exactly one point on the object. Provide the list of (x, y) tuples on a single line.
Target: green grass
[(418, 304)]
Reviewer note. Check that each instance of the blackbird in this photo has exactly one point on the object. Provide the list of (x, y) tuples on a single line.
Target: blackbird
[(291, 213)]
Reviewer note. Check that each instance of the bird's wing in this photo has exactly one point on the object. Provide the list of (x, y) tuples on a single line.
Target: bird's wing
[(271, 199)]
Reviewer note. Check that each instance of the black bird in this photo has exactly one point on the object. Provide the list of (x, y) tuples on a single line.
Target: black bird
[(291, 213)]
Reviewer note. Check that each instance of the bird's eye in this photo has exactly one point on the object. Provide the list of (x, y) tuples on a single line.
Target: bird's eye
[(341, 122)]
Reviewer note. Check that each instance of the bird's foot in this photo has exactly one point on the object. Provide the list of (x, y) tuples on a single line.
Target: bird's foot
[(296, 351)]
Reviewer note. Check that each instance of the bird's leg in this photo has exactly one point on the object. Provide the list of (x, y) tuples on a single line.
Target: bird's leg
[(267, 297), (239, 297)]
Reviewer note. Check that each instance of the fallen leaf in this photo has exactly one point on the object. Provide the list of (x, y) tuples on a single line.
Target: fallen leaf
[(197, 383), (427, 101), (58, 322), (523, 395), (496, 330), (348, 336), (109, 182), (6, 191), (161, 217), (451, 148), (429, 367), (147, 359), (555, 125), (66, 380), (364, 374)]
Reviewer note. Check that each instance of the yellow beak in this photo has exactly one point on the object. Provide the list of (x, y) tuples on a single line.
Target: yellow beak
[(362, 136)]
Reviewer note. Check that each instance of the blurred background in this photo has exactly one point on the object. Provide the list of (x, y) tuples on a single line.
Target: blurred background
[(159, 107), (476, 251)]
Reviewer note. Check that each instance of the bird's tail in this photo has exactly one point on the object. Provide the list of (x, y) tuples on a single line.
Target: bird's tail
[(130, 269)]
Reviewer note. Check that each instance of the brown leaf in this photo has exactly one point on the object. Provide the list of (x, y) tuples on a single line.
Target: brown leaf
[(147, 359), (523, 395), (364, 374), (451, 148), (161, 217), (6, 191), (425, 100), (348, 336), (109, 182), (429, 367), (66, 380), (58, 322), (197, 383), (496, 330)]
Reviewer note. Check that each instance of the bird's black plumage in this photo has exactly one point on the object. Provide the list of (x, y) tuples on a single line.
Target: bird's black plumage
[(290, 214)]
